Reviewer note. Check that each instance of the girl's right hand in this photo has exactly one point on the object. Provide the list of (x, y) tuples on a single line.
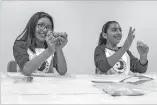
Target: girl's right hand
[(129, 39), (51, 41)]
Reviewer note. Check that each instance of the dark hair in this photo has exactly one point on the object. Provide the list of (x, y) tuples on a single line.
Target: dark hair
[(28, 34), (105, 27)]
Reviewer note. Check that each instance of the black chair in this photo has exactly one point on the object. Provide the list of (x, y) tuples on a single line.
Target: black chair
[(12, 66)]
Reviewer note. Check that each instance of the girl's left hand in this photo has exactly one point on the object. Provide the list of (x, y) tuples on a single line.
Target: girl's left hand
[(62, 39), (142, 48)]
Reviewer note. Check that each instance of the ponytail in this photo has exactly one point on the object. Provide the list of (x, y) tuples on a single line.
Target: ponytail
[(102, 40)]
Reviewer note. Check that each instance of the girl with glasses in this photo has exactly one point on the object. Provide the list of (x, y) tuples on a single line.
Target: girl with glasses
[(38, 48)]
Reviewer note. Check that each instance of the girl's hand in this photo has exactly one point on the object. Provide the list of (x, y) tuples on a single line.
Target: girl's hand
[(51, 41), (142, 48), (62, 40), (129, 39)]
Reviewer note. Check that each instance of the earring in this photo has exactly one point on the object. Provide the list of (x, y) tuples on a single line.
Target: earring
[(104, 35)]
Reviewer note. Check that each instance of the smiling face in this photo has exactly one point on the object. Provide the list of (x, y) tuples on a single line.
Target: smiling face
[(43, 26), (114, 33)]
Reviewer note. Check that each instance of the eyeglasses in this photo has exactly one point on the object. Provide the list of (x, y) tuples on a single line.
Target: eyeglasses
[(42, 26)]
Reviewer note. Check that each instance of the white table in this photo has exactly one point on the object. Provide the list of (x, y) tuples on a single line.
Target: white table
[(67, 89)]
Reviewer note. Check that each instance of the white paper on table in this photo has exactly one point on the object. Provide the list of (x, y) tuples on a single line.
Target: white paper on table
[(109, 78), (121, 77), (130, 86)]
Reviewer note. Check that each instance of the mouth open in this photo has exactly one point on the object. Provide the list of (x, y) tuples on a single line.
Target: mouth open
[(117, 38), (43, 35)]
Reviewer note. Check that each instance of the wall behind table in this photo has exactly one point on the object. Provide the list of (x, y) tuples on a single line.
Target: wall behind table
[(82, 20)]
